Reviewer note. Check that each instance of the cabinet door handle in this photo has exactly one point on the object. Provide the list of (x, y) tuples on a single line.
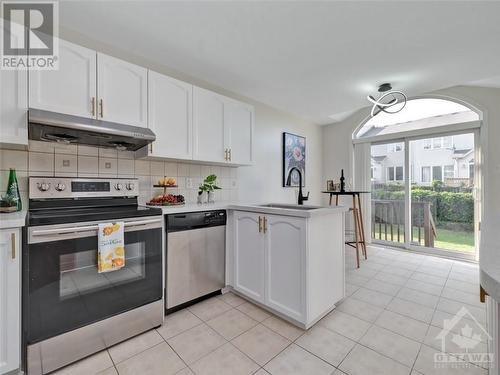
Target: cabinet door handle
[(225, 154), (92, 106), (13, 245), (265, 224), (101, 108), (260, 224), (229, 154)]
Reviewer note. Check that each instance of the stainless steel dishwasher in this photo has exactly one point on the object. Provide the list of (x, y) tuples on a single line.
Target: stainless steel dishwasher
[(196, 257)]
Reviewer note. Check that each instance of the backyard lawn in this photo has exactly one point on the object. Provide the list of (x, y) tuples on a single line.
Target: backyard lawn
[(446, 239)]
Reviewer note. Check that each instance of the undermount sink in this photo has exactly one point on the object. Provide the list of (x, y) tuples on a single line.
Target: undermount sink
[(290, 206)]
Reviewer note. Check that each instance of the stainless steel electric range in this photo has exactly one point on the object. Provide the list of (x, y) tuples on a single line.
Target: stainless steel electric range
[(69, 309)]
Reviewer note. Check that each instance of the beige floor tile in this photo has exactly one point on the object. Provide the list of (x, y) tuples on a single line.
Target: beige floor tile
[(390, 278), (360, 309), (398, 271), (296, 361), (159, 359), (345, 324), (232, 299), (436, 280), (402, 325), (196, 343), (452, 307), (109, 371), (392, 345), (424, 299), (355, 279), (425, 287), (283, 328), (426, 365), (261, 372), (434, 340), (326, 344), (88, 366), (232, 323), (131, 347), (226, 360), (364, 361), (253, 311), (462, 286), (440, 316), (260, 344), (457, 295), (177, 323), (372, 297), (185, 371), (411, 309), (350, 289), (383, 286), (209, 309)]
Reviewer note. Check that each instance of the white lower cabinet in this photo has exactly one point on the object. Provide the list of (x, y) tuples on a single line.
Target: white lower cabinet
[(10, 300), (285, 260), (249, 255), (292, 265)]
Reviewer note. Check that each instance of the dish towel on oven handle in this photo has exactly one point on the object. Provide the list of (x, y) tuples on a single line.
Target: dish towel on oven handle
[(111, 247)]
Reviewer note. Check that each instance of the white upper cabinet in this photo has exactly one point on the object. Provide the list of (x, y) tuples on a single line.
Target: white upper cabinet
[(10, 300), (13, 107), (122, 91), (72, 88), (170, 116), (239, 123), (223, 128), (208, 126)]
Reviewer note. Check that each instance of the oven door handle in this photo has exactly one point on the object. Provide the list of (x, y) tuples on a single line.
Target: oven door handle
[(87, 228)]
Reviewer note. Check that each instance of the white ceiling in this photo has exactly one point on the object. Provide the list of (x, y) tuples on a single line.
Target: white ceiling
[(312, 59)]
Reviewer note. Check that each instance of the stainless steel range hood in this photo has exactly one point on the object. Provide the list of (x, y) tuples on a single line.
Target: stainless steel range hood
[(67, 129)]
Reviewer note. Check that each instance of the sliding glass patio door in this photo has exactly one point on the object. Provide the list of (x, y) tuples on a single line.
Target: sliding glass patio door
[(423, 194)]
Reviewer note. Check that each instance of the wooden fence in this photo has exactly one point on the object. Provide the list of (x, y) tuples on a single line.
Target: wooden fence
[(388, 221)]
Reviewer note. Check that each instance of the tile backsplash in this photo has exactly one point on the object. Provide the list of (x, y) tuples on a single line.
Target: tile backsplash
[(52, 159)]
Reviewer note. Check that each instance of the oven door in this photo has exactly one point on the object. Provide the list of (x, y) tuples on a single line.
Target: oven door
[(64, 289)]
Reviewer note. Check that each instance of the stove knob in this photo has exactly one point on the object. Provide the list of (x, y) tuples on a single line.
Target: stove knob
[(60, 186), (118, 186), (43, 186), (130, 186)]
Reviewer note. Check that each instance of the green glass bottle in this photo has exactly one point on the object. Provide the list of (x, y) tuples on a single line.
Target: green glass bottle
[(13, 190)]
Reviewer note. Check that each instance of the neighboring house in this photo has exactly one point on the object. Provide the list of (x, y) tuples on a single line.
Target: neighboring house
[(449, 159)]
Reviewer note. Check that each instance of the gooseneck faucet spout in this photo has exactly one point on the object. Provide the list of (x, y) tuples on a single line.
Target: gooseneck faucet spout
[(301, 198)]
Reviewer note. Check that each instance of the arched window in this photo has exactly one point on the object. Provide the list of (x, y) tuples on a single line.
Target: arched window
[(425, 115)]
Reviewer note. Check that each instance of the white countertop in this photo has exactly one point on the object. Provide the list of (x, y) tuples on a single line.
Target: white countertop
[(253, 207), (192, 207), (289, 211), (13, 220)]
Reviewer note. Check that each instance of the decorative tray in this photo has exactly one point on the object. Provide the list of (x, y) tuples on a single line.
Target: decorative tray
[(166, 204)]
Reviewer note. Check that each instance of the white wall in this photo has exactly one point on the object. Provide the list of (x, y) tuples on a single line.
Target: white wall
[(337, 153), (261, 182)]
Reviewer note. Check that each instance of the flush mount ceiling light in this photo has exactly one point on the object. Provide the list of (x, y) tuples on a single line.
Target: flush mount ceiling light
[(388, 101)]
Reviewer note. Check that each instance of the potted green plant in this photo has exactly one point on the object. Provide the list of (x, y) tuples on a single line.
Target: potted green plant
[(209, 185)]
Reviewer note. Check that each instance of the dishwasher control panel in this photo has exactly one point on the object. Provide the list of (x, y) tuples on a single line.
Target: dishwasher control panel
[(194, 220)]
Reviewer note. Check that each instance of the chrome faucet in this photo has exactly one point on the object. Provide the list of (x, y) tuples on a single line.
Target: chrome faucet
[(289, 182)]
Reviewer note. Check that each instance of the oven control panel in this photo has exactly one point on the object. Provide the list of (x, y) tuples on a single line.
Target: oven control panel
[(67, 187)]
